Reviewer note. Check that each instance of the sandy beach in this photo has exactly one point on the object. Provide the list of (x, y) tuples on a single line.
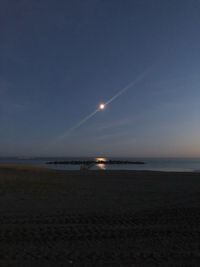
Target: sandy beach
[(98, 218)]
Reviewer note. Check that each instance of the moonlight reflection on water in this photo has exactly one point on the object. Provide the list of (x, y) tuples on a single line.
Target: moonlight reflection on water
[(101, 166)]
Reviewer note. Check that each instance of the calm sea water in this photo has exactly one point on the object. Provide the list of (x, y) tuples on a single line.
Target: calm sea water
[(157, 164)]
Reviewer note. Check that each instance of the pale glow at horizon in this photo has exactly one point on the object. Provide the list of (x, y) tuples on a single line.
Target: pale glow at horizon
[(101, 159)]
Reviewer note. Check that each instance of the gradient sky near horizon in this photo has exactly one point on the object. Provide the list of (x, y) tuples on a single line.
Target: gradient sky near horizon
[(60, 59)]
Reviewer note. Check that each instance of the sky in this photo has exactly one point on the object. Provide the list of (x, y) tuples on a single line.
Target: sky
[(60, 59)]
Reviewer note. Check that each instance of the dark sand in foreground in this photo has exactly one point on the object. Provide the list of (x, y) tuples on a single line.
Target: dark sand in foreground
[(98, 218)]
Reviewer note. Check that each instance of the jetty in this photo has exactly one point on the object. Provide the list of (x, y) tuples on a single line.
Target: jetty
[(92, 162)]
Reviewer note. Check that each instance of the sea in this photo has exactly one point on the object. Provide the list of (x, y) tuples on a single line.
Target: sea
[(153, 164)]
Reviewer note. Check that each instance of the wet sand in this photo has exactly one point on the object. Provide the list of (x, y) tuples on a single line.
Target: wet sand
[(98, 218)]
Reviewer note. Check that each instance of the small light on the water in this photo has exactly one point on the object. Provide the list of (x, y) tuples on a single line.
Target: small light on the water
[(101, 166)]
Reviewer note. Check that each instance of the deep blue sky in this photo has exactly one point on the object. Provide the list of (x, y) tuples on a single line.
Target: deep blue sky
[(60, 58)]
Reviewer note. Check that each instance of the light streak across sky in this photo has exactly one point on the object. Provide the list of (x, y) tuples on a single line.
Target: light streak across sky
[(123, 90), (103, 105), (83, 121)]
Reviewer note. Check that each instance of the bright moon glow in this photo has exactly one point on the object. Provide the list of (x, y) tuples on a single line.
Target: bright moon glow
[(102, 106)]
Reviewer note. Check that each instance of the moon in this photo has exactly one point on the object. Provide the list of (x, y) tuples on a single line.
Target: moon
[(102, 106)]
